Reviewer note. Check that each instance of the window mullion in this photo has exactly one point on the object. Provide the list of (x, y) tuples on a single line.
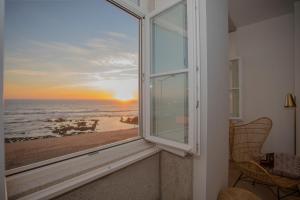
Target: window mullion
[(170, 73)]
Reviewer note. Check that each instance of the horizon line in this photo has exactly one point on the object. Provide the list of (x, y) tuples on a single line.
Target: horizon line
[(70, 99)]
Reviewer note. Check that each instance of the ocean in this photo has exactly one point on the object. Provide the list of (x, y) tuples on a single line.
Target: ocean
[(34, 119)]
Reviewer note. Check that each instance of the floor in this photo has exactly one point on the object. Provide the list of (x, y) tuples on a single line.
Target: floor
[(262, 191)]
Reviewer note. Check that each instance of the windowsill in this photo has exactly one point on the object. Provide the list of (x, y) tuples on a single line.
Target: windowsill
[(53, 180), (67, 156)]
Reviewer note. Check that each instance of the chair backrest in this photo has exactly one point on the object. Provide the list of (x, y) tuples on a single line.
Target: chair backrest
[(232, 124), (249, 138)]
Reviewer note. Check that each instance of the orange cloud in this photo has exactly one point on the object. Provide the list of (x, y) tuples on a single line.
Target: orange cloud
[(41, 92)]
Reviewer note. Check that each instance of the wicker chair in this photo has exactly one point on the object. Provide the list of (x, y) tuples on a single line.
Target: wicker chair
[(247, 142)]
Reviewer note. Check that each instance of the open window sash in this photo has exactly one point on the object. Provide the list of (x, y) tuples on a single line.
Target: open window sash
[(169, 76), (168, 103), (133, 7)]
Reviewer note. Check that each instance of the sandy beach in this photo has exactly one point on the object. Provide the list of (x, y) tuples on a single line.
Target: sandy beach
[(26, 152)]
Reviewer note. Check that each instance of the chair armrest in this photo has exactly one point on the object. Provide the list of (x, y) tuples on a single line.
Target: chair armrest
[(254, 170)]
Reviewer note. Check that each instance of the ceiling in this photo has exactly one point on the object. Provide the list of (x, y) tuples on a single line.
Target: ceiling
[(245, 12)]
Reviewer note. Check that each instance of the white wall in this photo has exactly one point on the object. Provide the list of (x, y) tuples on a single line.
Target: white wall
[(297, 68), (211, 167), (266, 50), (233, 52)]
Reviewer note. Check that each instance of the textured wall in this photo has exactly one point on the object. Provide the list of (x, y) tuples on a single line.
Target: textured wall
[(164, 176), (176, 177), (139, 181)]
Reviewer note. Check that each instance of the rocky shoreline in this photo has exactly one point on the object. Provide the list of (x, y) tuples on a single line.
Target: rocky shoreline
[(130, 120), (62, 128), (21, 139), (75, 127)]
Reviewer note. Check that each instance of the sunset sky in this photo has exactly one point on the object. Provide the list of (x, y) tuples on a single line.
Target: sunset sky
[(70, 49)]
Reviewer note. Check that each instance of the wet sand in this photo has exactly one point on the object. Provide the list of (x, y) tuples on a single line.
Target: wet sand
[(26, 152)]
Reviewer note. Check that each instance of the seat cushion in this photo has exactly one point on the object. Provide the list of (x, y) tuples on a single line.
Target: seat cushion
[(286, 165), (282, 164)]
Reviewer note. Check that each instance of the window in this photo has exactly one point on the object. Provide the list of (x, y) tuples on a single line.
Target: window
[(82, 76), (235, 89), (71, 78), (170, 78), (74, 80)]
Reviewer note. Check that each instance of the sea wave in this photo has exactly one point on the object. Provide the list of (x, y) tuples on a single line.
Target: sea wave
[(16, 122), (27, 120), (67, 112)]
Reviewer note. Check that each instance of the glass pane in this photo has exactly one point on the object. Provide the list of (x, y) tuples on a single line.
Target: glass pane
[(169, 40), (234, 74), (169, 107), (234, 99)]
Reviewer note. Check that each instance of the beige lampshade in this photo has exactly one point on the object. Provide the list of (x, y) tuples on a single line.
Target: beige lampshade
[(290, 101)]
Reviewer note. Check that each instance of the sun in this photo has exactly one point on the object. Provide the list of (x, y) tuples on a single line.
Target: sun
[(124, 97)]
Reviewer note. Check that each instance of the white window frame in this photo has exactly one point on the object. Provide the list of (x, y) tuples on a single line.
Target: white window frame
[(191, 71), (129, 6), (239, 88), (117, 152)]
